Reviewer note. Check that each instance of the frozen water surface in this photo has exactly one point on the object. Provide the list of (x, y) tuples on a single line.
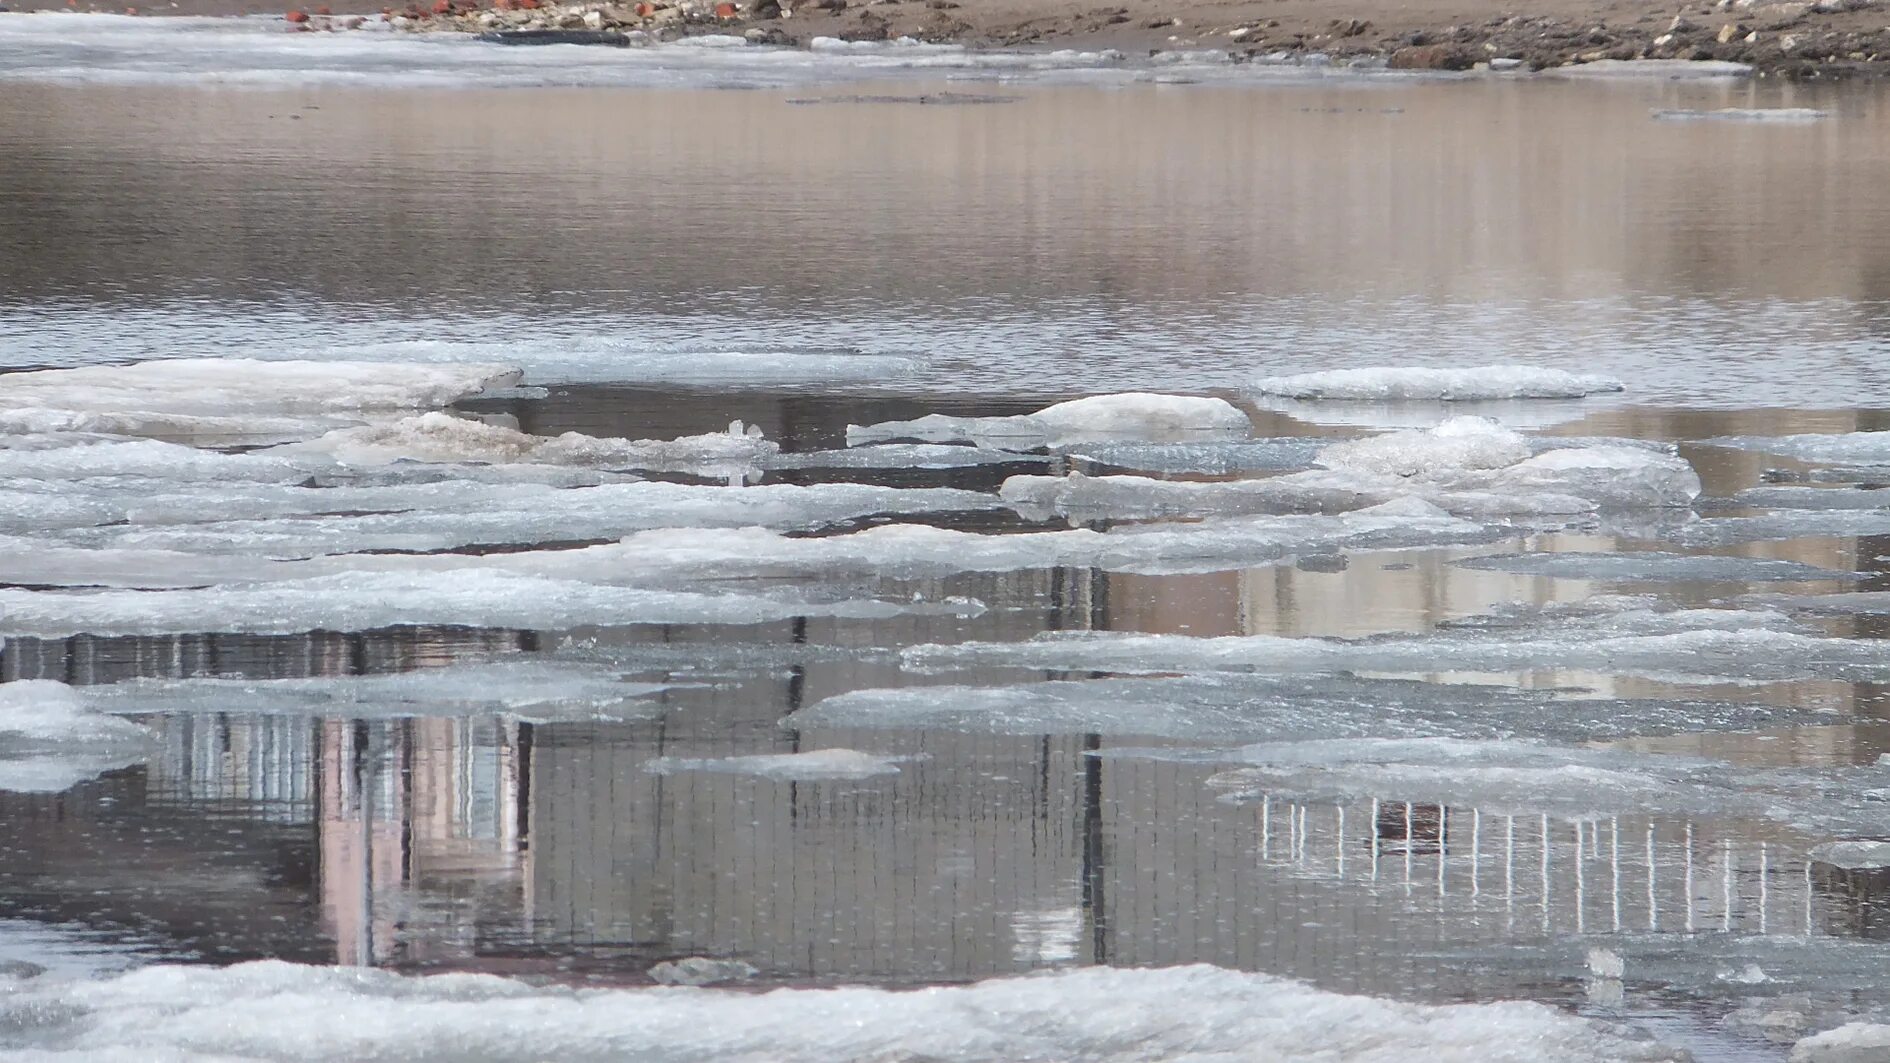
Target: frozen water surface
[(482, 584)]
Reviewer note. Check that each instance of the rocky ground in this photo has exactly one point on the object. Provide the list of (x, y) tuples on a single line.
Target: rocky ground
[(1794, 38)]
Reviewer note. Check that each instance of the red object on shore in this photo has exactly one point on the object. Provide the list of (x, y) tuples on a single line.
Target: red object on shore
[(323, 11), (725, 10), (645, 10), (296, 16), (442, 7)]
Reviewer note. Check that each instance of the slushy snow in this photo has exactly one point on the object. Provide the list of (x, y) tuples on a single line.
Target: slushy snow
[(1398, 383), (440, 437)]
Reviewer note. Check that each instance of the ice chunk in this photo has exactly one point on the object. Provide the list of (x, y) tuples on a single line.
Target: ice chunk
[(441, 437), (1417, 382), (1611, 477), (50, 740), (1855, 855), (1855, 1042), (1862, 448), (1241, 708), (1812, 498), (364, 601), (532, 688), (1458, 445), (1651, 566), (1262, 455), (1781, 525), (1137, 497), (815, 764), (277, 1011), (1785, 115), (229, 397), (1130, 415)]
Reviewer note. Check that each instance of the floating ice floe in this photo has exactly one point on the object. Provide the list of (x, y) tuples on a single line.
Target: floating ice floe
[(1694, 645), (1862, 448), (1811, 498), (1468, 466), (71, 458), (1242, 708), (230, 398), (1523, 777), (1762, 115), (51, 740), (533, 689), (1854, 854), (440, 437), (1652, 565), (899, 456), (1102, 1015), (535, 514), (1781, 525), (687, 556), (1260, 455), (1130, 415), (1402, 383), (811, 765), (365, 601), (701, 970)]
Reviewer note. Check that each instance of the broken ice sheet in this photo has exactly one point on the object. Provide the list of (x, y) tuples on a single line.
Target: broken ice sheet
[(230, 398), (1129, 415), (51, 740), (1684, 646), (685, 557), (1651, 565), (1260, 455), (1400, 383), (529, 513), (900, 456), (809, 765), (1242, 708), (277, 1011), (1858, 448), (1527, 777), (534, 689), (443, 438), (1811, 498), (365, 601), (1780, 525)]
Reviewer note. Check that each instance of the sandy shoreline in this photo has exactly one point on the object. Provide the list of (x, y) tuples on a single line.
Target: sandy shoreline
[(1792, 38)]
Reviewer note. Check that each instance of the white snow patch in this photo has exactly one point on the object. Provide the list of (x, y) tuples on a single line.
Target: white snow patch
[(815, 764), (277, 1011), (1458, 445), (1401, 383)]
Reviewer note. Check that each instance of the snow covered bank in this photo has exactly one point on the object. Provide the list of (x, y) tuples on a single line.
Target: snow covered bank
[(278, 1011), (1131, 415), (1404, 383)]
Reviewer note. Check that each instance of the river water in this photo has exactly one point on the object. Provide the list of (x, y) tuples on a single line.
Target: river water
[(805, 251)]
